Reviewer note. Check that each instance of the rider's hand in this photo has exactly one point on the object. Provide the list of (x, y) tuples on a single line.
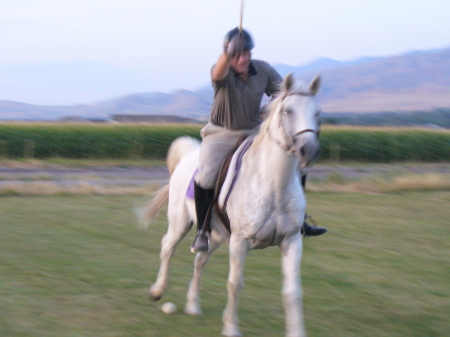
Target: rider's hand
[(235, 46)]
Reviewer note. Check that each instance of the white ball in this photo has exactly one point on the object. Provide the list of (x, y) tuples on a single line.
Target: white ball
[(168, 308)]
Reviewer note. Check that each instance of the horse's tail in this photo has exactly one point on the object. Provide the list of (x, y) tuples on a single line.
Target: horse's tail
[(178, 149), (148, 211)]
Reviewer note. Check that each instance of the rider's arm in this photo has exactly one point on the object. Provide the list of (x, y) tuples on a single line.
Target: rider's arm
[(234, 47), (221, 68)]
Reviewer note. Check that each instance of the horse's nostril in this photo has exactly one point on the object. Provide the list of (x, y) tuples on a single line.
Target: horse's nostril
[(302, 151)]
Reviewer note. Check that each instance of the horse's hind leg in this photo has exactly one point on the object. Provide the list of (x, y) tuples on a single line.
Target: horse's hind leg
[(177, 230), (193, 300)]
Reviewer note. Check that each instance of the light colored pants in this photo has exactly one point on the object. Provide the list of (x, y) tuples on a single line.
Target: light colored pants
[(216, 145)]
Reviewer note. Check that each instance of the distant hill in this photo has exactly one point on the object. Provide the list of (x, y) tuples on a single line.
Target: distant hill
[(414, 81), (321, 65), (181, 103), (10, 110), (411, 82)]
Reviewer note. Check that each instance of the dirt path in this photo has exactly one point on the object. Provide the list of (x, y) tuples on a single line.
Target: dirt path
[(141, 175)]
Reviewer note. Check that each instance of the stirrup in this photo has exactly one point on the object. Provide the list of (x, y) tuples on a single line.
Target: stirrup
[(308, 230), (200, 244)]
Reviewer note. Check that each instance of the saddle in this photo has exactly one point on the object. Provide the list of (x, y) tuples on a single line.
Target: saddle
[(226, 179)]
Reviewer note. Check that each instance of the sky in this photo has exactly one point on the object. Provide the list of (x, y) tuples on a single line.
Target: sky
[(83, 51)]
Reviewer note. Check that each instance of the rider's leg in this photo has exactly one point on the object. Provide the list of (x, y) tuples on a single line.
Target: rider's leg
[(307, 229), (203, 204), (216, 145)]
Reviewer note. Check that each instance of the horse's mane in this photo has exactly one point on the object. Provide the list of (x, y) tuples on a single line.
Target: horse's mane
[(272, 107)]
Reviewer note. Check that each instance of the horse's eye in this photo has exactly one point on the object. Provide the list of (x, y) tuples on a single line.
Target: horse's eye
[(287, 112)]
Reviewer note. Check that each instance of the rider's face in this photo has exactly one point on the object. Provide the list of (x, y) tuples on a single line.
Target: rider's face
[(241, 62)]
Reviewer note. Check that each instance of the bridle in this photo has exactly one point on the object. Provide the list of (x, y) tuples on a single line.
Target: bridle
[(289, 146)]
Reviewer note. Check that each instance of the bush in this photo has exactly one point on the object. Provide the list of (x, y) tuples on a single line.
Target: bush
[(80, 141), (385, 145)]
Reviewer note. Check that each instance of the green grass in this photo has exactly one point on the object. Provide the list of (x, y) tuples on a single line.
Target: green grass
[(78, 266)]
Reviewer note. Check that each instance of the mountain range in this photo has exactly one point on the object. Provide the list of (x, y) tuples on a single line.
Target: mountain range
[(415, 81)]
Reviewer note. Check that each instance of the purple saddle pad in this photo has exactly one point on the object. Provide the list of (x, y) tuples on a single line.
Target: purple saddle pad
[(190, 189)]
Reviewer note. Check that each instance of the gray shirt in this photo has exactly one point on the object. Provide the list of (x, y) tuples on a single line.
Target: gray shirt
[(237, 102)]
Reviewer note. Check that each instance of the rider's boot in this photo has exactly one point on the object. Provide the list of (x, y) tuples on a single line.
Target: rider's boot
[(203, 206), (308, 230)]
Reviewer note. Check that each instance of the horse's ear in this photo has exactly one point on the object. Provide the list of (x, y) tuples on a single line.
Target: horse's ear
[(314, 86), (288, 83)]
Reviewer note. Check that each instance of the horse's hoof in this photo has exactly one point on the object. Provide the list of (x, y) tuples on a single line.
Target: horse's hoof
[(155, 298), (230, 332), (153, 295), (193, 311)]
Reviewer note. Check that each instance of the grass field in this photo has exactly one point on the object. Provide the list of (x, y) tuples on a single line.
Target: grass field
[(78, 266)]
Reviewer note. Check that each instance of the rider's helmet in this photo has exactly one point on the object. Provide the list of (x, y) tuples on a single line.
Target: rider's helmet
[(248, 41)]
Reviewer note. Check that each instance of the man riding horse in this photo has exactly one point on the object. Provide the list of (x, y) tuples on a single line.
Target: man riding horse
[(239, 84)]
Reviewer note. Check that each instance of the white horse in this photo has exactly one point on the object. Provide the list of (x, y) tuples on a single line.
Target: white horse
[(265, 208)]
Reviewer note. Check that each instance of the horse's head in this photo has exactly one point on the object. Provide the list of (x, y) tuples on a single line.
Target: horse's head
[(294, 120)]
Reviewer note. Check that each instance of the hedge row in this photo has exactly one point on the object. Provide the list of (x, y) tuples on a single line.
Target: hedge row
[(385, 145), (81, 141), (152, 141)]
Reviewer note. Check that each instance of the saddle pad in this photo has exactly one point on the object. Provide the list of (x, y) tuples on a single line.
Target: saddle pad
[(190, 189), (233, 172), (231, 177)]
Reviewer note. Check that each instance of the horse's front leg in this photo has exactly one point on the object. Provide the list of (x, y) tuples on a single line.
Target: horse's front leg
[(238, 254), (193, 300), (292, 293)]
